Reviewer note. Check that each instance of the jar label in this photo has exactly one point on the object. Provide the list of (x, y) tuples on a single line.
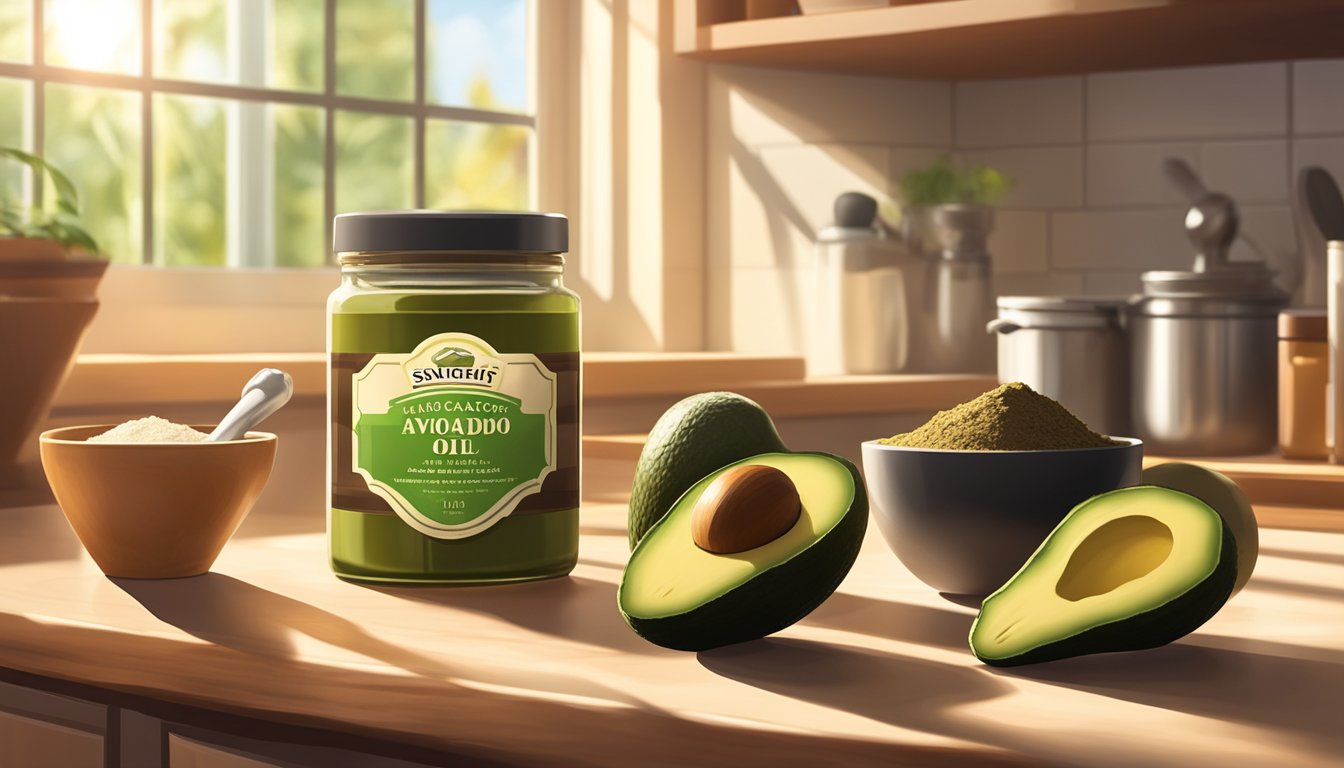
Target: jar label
[(454, 435)]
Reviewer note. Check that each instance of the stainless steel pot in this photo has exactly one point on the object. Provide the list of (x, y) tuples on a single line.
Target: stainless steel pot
[(1071, 349), (1203, 355)]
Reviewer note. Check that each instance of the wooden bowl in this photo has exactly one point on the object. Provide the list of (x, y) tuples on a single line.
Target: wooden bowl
[(154, 510)]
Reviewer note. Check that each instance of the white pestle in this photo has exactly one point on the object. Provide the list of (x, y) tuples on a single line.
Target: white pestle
[(262, 396)]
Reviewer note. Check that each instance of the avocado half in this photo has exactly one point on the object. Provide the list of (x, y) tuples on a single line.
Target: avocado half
[(696, 436), (1130, 569), (679, 596), (1227, 499)]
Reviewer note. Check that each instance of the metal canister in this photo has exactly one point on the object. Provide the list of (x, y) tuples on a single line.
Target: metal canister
[(959, 292), (1204, 368), (1072, 349), (865, 288)]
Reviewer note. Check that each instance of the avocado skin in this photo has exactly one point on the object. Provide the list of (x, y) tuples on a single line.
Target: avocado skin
[(1149, 629), (695, 437), (776, 598)]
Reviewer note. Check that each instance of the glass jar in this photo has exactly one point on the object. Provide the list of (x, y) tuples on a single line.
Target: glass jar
[(1303, 384), (453, 354)]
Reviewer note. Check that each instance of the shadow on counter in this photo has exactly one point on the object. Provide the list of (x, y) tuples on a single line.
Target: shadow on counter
[(574, 607), (1293, 689), (224, 611)]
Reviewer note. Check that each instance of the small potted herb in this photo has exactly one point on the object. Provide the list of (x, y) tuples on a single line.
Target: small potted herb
[(950, 205), (44, 293), (33, 233)]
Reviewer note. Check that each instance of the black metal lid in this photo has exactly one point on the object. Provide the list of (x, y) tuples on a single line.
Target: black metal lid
[(477, 231)]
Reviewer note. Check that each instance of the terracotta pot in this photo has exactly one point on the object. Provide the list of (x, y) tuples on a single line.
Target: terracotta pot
[(30, 249), (64, 279), (155, 510), (39, 338)]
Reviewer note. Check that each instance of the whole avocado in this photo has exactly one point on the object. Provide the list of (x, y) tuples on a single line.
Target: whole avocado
[(695, 437)]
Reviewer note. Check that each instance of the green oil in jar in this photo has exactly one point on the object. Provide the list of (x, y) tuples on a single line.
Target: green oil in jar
[(454, 400)]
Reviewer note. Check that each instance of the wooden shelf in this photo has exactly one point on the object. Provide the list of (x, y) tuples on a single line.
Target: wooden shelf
[(969, 39)]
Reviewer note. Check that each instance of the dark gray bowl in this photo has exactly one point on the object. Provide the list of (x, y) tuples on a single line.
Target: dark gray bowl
[(965, 521)]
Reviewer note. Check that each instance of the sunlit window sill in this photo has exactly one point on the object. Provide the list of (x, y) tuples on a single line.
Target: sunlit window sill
[(132, 379)]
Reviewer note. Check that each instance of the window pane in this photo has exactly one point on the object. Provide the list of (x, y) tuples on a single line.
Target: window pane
[(301, 229), (476, 165), (373, 162), (93, 135), (191, 40), (16, 95), (221, 41), (191, 150), (477, 54), (375, 49), (16, 18), (93, 34), (298, 34)]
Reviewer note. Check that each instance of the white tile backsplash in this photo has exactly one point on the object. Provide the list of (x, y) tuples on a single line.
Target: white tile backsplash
[(1091, 209), (759, 106), (1248, 171), (1112, 283), (1039, 284), (1020, 242), (999, 113), (1043, 177), (1131, 174), (1125, 240), (1240, 100), (1327, 153), (1271, 228), (807, 178), (769, 310), (1318, 96)]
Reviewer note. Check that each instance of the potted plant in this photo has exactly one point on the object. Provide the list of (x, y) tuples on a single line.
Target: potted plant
[(948, 206), (46, 303), (32, 233)]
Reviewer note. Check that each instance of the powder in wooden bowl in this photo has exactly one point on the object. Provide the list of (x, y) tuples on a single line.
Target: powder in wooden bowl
[(1010, 418), (150, 429)]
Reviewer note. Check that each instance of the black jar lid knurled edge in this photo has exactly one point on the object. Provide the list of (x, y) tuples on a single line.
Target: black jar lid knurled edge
[(477, 231)]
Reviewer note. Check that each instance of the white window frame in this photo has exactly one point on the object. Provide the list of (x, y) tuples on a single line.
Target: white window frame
[(164, 310)]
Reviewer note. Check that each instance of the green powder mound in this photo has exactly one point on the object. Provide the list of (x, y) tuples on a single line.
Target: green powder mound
[(1010, 418)]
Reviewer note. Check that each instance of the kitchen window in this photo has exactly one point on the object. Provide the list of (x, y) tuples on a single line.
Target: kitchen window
[(227, 133)]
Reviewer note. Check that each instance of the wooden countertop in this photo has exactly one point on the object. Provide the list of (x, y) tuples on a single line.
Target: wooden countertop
[(547, 673)]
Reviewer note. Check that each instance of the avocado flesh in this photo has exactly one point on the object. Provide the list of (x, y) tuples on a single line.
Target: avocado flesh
[(680, 596), (1227, 499), (1130, 569)]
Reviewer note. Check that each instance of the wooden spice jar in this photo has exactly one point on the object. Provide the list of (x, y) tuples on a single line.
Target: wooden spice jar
[(1303, 384)]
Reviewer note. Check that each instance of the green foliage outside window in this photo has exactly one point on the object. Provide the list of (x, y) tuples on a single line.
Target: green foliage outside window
[(61, 224), (96, 134)]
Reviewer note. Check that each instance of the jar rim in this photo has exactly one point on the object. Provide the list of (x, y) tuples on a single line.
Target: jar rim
[(432, 231), (448, 259)]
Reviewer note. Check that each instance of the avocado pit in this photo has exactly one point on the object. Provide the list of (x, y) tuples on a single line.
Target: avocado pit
[(745, 507)]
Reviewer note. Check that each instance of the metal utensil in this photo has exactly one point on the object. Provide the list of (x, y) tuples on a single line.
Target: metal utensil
[(1326, 202), (262, 396), (1310, 243), (1212, 221)]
